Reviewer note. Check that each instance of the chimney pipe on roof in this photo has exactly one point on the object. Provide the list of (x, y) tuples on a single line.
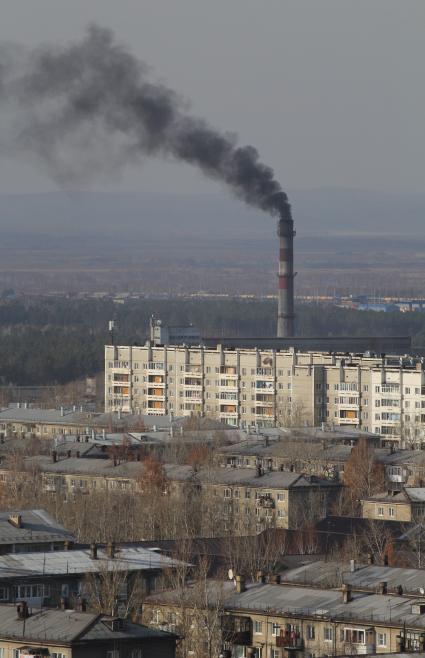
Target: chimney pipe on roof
[(22, 610), (240, 584), (93, 551), (54, 456), (382, 587), (80, 604), (15, 520), (370, 559), (110, 549), (347, 594)]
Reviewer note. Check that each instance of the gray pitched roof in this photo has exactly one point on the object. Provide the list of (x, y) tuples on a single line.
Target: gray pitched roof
[(364, 577), (54, 626), (305, 601), (68, 626), (19, 565), (37, 527), (233, 477)]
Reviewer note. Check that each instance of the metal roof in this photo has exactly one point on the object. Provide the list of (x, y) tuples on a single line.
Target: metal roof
[(45, 626), (304, 602), (364, 577), (132, 469), (326, 604), (55, 563), (37, 527), (68, 626)]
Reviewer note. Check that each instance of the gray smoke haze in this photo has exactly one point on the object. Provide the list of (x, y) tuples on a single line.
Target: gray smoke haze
[(90, 108)]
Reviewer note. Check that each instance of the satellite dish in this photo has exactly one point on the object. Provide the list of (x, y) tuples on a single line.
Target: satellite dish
[(230, 574), (421, 590)]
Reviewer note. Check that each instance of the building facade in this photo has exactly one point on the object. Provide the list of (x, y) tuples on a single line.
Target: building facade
[(253, 387)]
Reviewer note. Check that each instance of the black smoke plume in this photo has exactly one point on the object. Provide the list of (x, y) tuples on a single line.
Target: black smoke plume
[(91, 106)]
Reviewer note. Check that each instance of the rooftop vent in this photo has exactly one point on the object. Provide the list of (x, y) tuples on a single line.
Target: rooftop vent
[(22, 610)]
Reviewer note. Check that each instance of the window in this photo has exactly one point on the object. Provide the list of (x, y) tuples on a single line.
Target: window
[(275, 629), (227, 493), (354, 635), (258, 627), (275, 653), (55, 655), (281, 513), (391, 511), (247, 493), (380, 511), (4, 596), (311, 634), (382, 639), (328, 634)]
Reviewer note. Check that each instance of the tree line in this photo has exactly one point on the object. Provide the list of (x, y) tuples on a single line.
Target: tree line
[(56, 341)]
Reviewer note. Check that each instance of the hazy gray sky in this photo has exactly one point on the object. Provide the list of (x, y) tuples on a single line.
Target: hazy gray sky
[(331, 92)]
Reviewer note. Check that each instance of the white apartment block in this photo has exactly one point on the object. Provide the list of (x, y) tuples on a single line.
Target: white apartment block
[(255, 387)]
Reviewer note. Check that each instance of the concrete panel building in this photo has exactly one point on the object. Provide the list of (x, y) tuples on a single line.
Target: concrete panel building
[(247, 387)]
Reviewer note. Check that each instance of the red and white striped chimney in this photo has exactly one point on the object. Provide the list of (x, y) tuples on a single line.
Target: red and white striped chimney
[(285, 302)]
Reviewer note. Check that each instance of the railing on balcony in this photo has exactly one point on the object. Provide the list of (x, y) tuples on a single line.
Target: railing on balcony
[(237, 630), (265, 501), (289, 640)]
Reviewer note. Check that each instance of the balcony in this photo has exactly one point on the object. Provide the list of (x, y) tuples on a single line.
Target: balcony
[(264, 403), (156, 381), (262, 412), (192, 383), (348, 421), (237, 630), (153, 368), (229, 370), (265, 386), (288, 640), (229, 414), (193, 371), (265, 501), (152, 411)]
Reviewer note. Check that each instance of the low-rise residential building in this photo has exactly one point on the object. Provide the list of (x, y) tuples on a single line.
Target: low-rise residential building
[(266, 620), (406, 505), (74, 634), (27, 421), (64, 577), (244, 500)]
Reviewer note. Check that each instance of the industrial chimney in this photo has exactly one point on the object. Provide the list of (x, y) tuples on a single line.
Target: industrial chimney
[(285, 303)]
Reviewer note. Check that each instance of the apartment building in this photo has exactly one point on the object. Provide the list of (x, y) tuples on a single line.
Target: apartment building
[(265, 388), (266, 620), (74, 634), (62, 578), (241, 500), (406, 505)]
